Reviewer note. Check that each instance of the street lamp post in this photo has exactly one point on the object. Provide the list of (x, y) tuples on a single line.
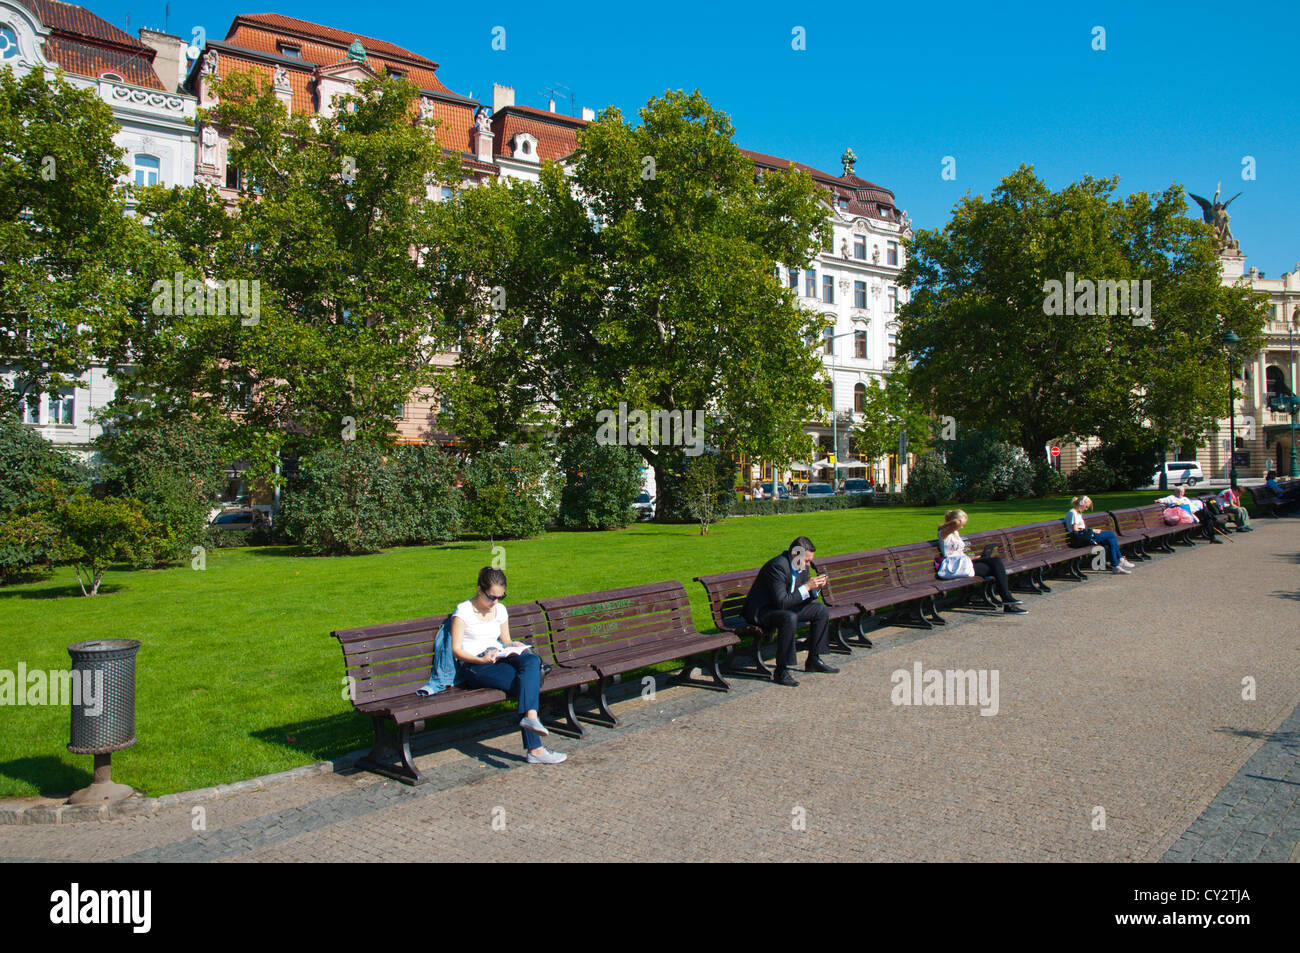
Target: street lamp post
[(1291, 404), (1231, 340), (835, 436)]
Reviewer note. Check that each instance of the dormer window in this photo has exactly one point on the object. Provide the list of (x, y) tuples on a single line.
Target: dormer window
[(524, 147), (843, 202), (290, 49), (396, 73), (112, 77)]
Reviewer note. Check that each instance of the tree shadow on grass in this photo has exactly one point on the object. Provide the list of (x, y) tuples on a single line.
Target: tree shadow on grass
[(322, 739), (51, 776), (57, 592)]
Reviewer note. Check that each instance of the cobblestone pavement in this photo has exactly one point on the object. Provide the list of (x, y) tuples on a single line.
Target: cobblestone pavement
[(1120, 733)]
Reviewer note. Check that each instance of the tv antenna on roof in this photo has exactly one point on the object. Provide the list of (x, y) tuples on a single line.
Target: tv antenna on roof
[(551, 91)]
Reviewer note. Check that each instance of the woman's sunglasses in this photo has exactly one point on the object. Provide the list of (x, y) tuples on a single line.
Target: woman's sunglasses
[(493, 598)]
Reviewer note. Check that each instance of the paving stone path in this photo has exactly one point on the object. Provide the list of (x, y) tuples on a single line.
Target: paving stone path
[(1120, 733)]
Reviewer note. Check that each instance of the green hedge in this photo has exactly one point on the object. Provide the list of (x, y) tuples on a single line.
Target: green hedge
[(805, 504)]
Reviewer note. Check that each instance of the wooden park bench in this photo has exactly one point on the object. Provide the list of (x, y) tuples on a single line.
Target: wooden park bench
[(1131, 524), (861, 584), (914, 566), (1154, 517), (1043, 548), (617, 631), (1020, 571), (385, 664), (1267, 501)]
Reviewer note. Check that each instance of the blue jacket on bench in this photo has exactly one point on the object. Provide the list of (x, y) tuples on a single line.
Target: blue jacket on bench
[(445, 670)]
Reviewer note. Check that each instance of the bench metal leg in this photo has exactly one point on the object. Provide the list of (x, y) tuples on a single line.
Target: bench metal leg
[(569, 726), (927, 605), (387, 749), (835, 641), (1036, 576), (606, 717), (718, 684), (860, 628), (981, 596), (759, 668), (1023, 582)]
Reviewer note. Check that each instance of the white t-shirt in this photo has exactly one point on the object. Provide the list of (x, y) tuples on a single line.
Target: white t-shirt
[(1074, 520), (480, 634)]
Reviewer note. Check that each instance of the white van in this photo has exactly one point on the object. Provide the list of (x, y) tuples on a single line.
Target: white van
[(1180, 471)]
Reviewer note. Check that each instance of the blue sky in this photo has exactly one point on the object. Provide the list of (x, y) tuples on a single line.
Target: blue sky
[(1182, 93)]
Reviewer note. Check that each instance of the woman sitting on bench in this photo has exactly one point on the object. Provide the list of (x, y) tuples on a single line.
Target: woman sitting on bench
[(1081, 535), (956, 564), (487, 658)]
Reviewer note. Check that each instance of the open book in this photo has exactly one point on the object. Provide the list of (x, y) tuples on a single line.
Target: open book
[(505, 651)]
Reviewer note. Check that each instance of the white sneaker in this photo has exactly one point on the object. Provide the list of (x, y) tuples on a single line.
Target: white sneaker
[(1120, 571), (533, 725), (546, 757), (1125, 563)]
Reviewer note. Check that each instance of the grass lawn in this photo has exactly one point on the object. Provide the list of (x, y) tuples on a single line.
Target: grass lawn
[(238, 675)]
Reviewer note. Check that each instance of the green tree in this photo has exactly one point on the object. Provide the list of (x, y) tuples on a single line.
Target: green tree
[(600, 483), (352, 300), (888, 410), (983, 351), (28, 460), (65, 243), (510, 492), (645, 276)]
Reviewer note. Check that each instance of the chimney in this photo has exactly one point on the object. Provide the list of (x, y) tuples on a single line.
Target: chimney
[(502, 96), (169, 61), (550, 105), (588, 114)]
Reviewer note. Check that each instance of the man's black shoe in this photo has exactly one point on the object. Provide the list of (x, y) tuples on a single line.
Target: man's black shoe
[(783, 677), (1013, 601), (1016, 610), (820, 666)]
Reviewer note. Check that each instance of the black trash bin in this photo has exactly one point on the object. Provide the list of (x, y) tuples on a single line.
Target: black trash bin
[(103, 717)]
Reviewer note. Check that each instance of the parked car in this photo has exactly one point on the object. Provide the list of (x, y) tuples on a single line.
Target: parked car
[(645, 507), (820, 489), (781, 492), (1180, 471), (859, 488), (241, 519)]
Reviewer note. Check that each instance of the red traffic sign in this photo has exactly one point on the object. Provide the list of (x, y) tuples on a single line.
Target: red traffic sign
[(1056, 451)]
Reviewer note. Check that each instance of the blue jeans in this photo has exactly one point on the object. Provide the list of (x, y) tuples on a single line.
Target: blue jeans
[(519, 676), (1111, 542)]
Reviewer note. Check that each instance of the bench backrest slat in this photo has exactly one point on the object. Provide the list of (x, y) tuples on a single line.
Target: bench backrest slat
[(591, 624), (727, 593), (914, 564), (855, 573)]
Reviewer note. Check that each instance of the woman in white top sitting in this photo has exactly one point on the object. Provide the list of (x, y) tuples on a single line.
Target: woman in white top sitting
[(1081, 535), (487, 658), (956, 564)]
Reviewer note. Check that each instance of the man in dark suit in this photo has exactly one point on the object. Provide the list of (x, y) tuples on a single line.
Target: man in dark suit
[(783, 597)]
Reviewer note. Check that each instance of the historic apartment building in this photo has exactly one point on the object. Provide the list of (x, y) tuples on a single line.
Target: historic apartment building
[(140, 80)]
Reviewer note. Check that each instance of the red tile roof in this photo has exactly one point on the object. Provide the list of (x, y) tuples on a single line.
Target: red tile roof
[(87, 45), (338, 38), (864, 198), (556, 135)]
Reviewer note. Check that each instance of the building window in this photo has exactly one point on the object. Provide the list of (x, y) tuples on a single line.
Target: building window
[(146, 170), (843, 202), (810, 283), (288, 49), (859, 398), (32, 410), (860, 247), (8, 43), (448, 193), (63, 407), (828, 289), (893, 346), (395, 73), (232, 177), (859, 294), (891, 253), (830, 399), (860, 344), (794, 279), (893, 299), (829, 335)]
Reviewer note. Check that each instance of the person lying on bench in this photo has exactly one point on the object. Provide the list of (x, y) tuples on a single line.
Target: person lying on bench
[(1180, 499), (784, 596), (487, 658), (957, 564), (1081, 535)]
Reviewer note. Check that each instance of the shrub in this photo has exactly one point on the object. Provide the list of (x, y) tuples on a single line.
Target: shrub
[(600, 483), (673, 504), (1093, 477), (430, 501), (929, 481), (510, 492), (1048, 480), (27, 460), (173, 467), (345, 500), (29, 543), (1132, 460), (803, 504), (985, 468)]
